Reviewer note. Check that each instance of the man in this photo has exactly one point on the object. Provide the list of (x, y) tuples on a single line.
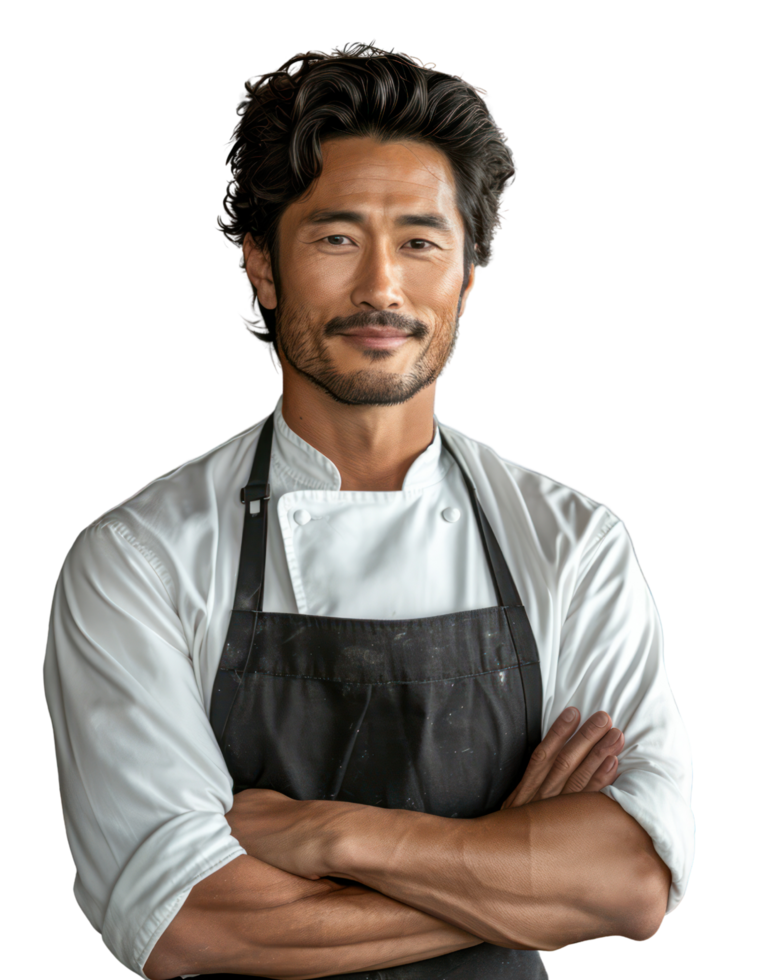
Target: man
[(297, 684)]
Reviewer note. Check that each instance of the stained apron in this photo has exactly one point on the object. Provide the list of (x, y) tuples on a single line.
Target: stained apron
[(438, 714)]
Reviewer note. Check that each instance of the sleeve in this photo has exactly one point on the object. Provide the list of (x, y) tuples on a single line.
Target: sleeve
[(611, 659), (144, 785)]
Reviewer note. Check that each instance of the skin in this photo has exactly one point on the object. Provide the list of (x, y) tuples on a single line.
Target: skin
[(369, 411)]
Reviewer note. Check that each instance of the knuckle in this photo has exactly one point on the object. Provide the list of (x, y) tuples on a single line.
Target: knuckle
[(539, 755), (562, 764)]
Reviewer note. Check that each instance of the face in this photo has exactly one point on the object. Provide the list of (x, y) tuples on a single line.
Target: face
[(370, 272)]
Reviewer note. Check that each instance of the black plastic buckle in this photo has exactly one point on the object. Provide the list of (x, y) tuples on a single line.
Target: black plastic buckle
[(255, 491)]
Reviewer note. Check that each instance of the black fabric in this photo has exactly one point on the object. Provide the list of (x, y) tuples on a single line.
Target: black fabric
[(464, 964), (437, 715)]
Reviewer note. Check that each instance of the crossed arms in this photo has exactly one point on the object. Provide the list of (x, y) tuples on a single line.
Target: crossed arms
[(558, 864)]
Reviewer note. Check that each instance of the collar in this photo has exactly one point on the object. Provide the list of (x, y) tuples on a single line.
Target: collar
[(296, 460)]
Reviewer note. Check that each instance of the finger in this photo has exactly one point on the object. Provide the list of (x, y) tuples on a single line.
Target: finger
[(604, 776), (542, 757), (573, 754), (607, 747)]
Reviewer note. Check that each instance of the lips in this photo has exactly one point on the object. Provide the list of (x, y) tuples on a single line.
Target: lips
[(383, 338), (392, 333)]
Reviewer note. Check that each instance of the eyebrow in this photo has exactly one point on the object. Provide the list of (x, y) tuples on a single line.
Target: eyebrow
[(325, 216)]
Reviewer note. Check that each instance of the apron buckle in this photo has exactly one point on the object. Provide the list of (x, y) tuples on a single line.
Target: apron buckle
[(253, 494)]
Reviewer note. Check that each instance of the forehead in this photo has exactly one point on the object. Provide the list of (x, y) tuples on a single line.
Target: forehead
[(361, 172)]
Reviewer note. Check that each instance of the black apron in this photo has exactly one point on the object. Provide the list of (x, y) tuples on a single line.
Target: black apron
[(438, 714)]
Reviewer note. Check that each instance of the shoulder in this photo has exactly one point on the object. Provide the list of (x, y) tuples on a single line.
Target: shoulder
[(555, 518), (170, 521)]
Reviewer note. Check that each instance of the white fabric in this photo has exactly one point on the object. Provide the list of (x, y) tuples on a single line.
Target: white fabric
[(143, 603)]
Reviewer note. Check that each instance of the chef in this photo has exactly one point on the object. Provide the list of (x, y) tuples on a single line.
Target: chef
[(350, 694)]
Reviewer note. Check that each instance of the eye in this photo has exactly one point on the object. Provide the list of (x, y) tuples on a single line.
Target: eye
[(420, 245), (422, 240), (337, 240)]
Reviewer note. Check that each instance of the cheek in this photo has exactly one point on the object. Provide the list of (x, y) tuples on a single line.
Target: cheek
[(441, 295), (304, 274), (320, 271)]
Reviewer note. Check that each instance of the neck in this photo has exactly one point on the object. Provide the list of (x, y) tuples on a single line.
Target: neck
[(372, 446)]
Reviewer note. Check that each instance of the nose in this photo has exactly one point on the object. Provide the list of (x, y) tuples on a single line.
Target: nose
[(377, 285)]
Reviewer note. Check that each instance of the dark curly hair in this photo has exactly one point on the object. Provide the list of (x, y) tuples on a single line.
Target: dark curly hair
[(360, 90)]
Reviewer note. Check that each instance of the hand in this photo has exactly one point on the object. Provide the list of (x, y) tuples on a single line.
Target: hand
[(561, 764), (293, 835)]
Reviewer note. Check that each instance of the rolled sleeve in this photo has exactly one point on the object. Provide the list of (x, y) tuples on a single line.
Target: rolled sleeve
[(143, 783), (611, 658)]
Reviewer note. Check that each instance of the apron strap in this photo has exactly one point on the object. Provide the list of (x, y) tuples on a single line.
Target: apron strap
[(505, 588), (249, 594), (516, 616)]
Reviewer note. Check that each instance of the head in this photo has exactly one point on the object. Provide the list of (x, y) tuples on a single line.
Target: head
[(366, 189)]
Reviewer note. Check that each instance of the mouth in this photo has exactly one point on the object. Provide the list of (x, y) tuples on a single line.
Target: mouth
[(375, 337)]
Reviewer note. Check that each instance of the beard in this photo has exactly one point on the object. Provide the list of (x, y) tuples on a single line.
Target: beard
[(306, 350)]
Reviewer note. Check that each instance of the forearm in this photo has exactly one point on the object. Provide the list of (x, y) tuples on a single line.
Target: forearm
[(544, 875), (251, 918), (356, 929)]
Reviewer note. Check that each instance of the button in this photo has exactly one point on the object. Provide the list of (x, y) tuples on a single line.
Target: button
[(451, 515), (301, 516)]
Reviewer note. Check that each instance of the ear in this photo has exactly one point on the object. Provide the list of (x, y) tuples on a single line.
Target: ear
[(469, 285), (258, 266)]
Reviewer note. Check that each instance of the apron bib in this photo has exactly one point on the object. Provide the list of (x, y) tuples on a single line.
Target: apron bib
[(438, 714)]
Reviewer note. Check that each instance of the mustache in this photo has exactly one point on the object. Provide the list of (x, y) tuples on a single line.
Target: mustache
[(377, 318)]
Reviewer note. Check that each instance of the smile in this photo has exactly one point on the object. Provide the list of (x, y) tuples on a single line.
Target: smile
[(375, 337)]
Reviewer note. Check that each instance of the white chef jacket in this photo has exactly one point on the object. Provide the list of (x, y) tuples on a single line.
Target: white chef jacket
[(143, 604)]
